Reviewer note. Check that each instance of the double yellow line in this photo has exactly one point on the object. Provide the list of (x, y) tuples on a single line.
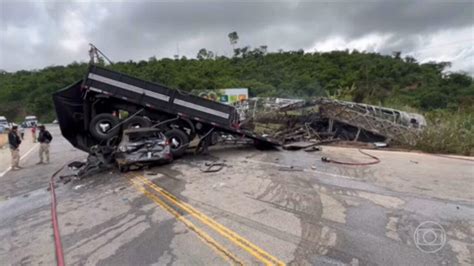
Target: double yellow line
[(144, 185)]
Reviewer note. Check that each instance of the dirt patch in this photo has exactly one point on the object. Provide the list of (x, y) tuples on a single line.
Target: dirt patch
[(3, 139)]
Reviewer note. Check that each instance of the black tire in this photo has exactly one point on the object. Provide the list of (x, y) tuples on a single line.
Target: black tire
[(124, 168), (101, 125), (137, 122), (113, 142), (178, 140), (215, 136)]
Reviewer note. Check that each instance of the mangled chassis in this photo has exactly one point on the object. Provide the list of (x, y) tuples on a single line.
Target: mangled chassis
[(324, 118), (381, 121)]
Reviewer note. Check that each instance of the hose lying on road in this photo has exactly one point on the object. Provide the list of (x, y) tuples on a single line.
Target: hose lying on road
[(212, 167), (375, 161), (57, 237)]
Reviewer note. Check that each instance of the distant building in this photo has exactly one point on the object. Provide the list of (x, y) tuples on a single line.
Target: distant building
[(227, 96), (233, 95)]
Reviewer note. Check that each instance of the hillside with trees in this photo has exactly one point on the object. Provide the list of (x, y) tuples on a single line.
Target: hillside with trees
[(350, 75)]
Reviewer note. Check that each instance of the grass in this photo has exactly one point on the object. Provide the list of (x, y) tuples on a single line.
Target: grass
[(449, 132)]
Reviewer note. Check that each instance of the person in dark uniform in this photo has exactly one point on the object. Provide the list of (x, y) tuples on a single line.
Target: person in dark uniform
[(44, 138), (14, 140)]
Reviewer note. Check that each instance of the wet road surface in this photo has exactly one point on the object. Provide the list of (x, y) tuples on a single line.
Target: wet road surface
[(275, 207)]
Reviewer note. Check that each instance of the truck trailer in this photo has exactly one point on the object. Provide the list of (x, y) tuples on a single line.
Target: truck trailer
[(94, 111)]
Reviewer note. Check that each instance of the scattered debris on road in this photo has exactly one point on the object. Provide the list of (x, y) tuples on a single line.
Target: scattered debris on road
[(78, 187), (313, 149), (290, 169), (375, 160)]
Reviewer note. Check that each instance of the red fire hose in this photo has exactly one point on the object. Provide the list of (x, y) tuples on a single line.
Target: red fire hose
[(57, 237)]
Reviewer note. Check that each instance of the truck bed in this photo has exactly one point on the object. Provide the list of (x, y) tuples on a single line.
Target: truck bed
[(157, 96), (69, 104)]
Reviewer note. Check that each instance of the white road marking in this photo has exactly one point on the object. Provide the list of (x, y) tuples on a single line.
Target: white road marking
[(21, 158)]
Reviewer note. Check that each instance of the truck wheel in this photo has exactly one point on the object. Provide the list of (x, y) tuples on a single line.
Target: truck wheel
[(101, 125), (214, 138), (137, 122), (178, 141), (123, 168)]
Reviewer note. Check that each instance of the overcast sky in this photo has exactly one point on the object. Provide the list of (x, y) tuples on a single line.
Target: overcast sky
[(42, 33)]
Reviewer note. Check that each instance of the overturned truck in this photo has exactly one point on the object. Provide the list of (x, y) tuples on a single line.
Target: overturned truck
[(93, 112)]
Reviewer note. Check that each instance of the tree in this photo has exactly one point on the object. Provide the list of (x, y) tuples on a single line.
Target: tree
[(233, 38), (205, 54), (433, 100), (244, 51), (410, 59), (397, 54)]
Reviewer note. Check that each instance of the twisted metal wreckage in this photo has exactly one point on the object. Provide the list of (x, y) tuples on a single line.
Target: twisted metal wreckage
[(324, 119), (87, 115)]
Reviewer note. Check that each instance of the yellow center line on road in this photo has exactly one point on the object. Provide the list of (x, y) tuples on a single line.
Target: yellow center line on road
[(238, 240), (223, 252)]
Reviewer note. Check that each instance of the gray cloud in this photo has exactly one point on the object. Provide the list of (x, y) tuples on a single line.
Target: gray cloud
[(35, 35)]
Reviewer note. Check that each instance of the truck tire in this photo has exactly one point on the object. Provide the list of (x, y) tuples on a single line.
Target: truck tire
[(215, 138), (137, 122), (101, 124), (123, 168), (178, 140)]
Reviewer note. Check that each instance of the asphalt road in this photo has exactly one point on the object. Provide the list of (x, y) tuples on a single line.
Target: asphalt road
[(275, 207)]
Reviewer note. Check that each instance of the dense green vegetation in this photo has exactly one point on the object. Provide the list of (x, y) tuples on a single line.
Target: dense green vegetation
[(361, 77), (449, 132), (393, 81)]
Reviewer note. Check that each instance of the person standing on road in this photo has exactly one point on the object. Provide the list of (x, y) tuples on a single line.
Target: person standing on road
[(44, 138), (33, 133), (15, 141)]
